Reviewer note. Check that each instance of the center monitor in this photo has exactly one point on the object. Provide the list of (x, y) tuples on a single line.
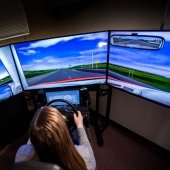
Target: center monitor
[(63, 61)]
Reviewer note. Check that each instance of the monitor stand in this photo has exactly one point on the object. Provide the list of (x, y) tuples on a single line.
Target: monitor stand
[(100, 126)]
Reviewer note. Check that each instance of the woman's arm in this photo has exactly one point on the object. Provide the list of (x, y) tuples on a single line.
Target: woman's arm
[(84, 148), (82, 133)]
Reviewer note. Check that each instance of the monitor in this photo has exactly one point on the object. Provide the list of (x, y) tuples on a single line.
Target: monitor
[(139, 63), (61, 62), (9, 80), (72, 96)]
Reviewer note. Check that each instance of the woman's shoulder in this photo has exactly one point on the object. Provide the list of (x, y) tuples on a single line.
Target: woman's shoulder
[(25, 152)]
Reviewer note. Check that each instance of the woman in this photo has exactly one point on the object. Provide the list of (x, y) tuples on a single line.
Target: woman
[(51, 142)]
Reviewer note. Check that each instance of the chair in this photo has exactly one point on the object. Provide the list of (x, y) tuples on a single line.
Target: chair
[(34, 165)]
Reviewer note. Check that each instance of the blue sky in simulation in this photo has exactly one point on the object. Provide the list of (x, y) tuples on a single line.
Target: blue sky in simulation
[(152, 61), (63, 52)]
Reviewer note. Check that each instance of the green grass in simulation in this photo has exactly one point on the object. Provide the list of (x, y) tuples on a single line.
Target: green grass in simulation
[(34, 73), (153, 80), (5, 80)]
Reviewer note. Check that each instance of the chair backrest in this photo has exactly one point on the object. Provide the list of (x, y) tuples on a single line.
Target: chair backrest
[(34, 165)]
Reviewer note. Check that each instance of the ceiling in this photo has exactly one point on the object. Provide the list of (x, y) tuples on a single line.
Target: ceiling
[(66, 7), (49, 11)]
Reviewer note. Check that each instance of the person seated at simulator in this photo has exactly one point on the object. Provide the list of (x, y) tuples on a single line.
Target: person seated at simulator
[(50, 142)]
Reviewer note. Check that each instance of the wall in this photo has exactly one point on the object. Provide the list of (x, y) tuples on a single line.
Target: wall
[(148, 119)]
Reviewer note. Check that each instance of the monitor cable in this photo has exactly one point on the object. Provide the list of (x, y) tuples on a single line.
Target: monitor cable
[(165, 15)]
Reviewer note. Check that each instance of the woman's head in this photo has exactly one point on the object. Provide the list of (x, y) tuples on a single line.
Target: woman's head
[(51, 139)]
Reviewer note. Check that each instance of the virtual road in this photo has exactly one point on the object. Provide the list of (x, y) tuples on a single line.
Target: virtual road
[(64, 75), (127, 79)]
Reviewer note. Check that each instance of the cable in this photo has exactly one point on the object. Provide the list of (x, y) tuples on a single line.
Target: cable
[(165, 14)]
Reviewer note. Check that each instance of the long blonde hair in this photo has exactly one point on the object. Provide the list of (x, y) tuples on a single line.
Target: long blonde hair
[(52, 142)]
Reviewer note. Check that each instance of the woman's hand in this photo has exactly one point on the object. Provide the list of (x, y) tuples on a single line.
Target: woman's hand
[(78, 119)]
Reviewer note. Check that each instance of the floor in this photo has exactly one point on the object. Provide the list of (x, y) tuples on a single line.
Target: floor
[(122, 151)]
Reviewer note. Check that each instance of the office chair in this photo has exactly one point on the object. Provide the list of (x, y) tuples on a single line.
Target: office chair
[(34, 165)]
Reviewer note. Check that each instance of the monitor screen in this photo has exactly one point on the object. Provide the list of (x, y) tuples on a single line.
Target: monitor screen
[(9, 81), (139, 62), (64, 61), (71, 95)]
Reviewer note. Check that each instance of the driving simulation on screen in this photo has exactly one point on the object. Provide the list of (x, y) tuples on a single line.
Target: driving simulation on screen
[(139, 63), (65, 61), (134, 61), (9, 80)]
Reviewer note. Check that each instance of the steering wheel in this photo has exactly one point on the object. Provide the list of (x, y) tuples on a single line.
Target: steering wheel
[(68, 114)]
